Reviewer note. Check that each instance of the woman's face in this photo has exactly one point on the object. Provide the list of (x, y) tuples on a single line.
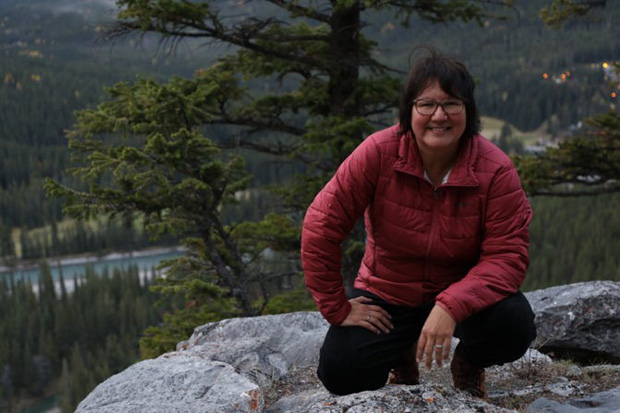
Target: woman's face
[(438, 133)]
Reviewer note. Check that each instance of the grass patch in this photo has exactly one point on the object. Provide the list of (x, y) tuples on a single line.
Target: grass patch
[(492, 128)]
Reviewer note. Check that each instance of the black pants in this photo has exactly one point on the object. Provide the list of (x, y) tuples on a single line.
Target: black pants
[(354, 359)]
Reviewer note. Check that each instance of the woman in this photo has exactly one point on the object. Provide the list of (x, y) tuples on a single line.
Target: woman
[(446, 249)]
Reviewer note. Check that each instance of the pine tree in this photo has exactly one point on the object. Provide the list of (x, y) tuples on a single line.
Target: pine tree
[(584, 165), (68, 400), (7, 248), (559, 11)]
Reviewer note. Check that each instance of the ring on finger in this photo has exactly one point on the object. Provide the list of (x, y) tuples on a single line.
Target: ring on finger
[(367, 318), (438, 346)]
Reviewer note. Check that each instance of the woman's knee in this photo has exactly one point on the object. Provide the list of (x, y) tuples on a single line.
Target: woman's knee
[(501, 334), (344, 373), (518, 317)]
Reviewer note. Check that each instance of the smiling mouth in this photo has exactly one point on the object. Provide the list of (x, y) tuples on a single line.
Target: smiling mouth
[(439, 129)]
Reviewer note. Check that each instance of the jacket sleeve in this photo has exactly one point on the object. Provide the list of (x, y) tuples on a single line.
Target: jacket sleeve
[(329, 220), (504, 258)]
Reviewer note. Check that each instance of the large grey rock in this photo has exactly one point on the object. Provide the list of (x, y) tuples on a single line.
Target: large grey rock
[(175, 382), (580, 321), (230, 366), (425, 398), (221, 368), (603, 402), (261, 348)]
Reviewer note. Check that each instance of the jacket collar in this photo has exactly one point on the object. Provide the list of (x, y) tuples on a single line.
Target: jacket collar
[(462, 174)]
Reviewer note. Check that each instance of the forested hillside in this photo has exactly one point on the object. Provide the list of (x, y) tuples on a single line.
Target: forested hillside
[(54, 62), (574, 240)]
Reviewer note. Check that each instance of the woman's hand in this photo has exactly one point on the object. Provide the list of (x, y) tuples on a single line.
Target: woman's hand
[(436, 337), (371, 317)]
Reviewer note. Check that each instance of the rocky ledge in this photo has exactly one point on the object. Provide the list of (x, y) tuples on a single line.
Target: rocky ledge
[(579, 321), (266, 364)]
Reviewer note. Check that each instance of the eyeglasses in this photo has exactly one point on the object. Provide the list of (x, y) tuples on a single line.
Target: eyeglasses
[(427, 107)]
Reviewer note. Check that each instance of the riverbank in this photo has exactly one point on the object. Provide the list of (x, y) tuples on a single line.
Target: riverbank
[(71, 269), (92, 258)]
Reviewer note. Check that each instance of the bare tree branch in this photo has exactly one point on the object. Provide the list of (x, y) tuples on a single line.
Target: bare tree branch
[(237, 38), (296, 8)]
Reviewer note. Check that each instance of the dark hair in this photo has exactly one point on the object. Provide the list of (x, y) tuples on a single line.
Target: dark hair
[(453, 78)]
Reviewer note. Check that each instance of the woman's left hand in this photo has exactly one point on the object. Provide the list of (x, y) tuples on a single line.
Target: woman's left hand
[(436, 337)]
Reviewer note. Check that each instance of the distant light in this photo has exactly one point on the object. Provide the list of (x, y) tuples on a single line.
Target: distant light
[(545, 76), (563, 76), (613, 95), (605, 65)]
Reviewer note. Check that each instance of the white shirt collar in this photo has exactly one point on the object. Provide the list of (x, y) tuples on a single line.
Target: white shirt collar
[(443, 181)]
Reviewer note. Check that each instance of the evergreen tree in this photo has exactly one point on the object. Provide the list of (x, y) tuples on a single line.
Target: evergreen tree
[(6, 385), (7, 248), (585, 165), (67, 399), (80, 375), (559, 11)]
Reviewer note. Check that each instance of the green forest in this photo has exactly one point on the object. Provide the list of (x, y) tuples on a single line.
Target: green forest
[(58, 64), (53, 67), (71, 341)]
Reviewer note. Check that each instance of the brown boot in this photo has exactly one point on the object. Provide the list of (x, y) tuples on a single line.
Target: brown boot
[(467, 377), (407, 372)]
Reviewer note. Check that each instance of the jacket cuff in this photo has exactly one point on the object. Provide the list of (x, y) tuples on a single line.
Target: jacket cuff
[(451, 307), (336, 318)]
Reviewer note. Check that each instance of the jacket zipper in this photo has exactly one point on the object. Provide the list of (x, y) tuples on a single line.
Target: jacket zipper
[(433, 233)]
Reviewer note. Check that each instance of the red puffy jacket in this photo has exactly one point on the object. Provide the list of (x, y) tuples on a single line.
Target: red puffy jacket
[(463, 244)]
